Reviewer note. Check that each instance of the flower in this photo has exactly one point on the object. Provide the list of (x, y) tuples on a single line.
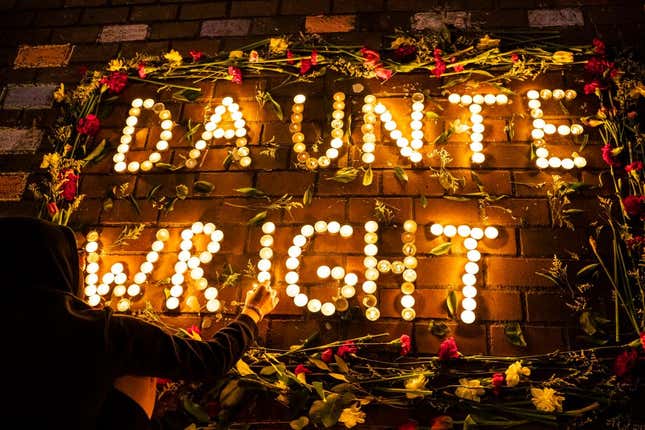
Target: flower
[(598, 46), (405, 53), (352, 416), (408, 425), (70, 184), (371, 58), (634, 205), (642, 336), (459, 68), (442, 422), (236, 74), (563, 57), (235, 55), (116, 82), (115, 65), (634, 244), (88, 125), (52, 208), (416, 383), (448, 349), (289, 58), (194, 332), (314, 57), (593, 86), (598, 66), (196, 55), (487, 43), (625, 362), (406, 344), (141, 70), (636, 165), (497, 381), (608, 156), (514, 373), (254, 57), (346, 348), (59, 94), (440, 65), (470, 389), (278, 45), (174, 58), (301, 368), (327, 355), (547, 399), (515, 58), (383, 73), (305, 66)]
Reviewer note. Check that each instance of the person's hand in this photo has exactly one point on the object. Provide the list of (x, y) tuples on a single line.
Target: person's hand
[(260, 300)]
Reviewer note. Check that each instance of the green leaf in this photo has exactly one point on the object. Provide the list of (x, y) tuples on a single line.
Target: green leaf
[(243, 368), (338, 376), (300, 423), (451, 303), (275, 106), (513, 332), (164, 166), (438, 328), (587, 323), (153, 191), (587, 270), (186, 95), (228, 161), (195, 410), (344, 175), (441, 249), (341, 364), (259, 217), (319, 364), (326, 411), (318, 386), (231, 394), (134, 204), (251, 192), (432, 115), (457, 199), (98, 150), (424, 201), (400, 174), (203, 187), (267, 371), (108, 204), (368, 177), (477, 181), (308, 196)]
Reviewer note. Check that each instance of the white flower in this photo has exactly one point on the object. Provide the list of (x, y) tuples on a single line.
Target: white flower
[(514, 372), (547, 399), (352, 416), (470, 389), (415, 383)]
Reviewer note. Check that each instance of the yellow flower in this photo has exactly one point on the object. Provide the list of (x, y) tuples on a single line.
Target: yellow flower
[(547, 400), (59, 94), (235, 54), (402, 41), (487, 43), (470, 390), (278, 45), (254, 57), (514, 372), (415, 383), (116, 65), (563, 57), (173, 57), (352, 416), (637, 91), (50, 159)]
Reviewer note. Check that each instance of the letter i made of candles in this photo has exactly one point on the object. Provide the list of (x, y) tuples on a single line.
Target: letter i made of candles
[(471, 236)]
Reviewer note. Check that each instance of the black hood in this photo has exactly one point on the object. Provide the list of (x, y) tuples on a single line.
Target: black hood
[(38, 255)]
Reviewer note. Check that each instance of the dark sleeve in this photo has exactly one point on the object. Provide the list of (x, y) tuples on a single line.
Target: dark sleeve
[(136, 347)]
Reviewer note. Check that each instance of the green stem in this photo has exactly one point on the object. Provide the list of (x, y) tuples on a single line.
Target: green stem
[(164, 84)]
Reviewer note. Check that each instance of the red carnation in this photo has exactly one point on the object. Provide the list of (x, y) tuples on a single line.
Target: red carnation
[(440, 65), (406, 344), (515, 58), (635, 242), (459, 68), (327, 355), (115, 82), (193, 329), (405, 52), (289, 58), (141, 70), (70, 185), (636, 165), (598, 46), (305, 66), (643, 339), (372, 58), (593, 86), (197, 55), (497, 381), (301, 368), (235, 74), (163, 381), (383, 73), (346, 348), (52, 208), (608, 156), (448, 349), (598, 66), (408, 425), (625, 362), (314, 57), (88, 125), (634, 205)]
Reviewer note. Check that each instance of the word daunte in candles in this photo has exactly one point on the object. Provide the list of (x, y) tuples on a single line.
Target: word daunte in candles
[(471, 236), (346, 281), (188, 266), (298, 137), (409, 148), (374, 268), (475, 104), (541, 128), (212, 130)]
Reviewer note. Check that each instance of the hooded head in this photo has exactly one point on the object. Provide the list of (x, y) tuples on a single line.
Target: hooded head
[(38, 255)]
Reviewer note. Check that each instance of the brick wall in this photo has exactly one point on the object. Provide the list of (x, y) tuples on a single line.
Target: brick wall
[(63, 35)]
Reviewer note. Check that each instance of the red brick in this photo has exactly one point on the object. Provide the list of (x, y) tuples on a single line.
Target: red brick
[(105, 15), (129, 49), (539, 340), (174, 30), (522, 212), (517, 272), (471, 338), (124, 210), (411, 5), (92, 53), (296, 7), (546, 307), (277, 25), (545, 242), (429, 303), (202, 11), (87, 34), (440, 271), (534, 183), (280, 183), (57, 18), (153, 13), (498, 305), (361, 210), (284, 333), (331, 208), (327, 186), (254, 8), (353, 6), (421, 183), (444, 211)]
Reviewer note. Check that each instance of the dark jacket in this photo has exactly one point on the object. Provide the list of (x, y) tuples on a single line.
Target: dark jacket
[(61, 357)]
